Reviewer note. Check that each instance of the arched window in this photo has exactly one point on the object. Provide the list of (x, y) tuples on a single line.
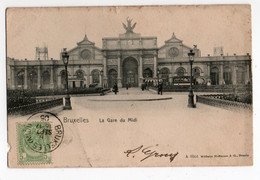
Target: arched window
[(63, 78), (80, 75), (214, 76), (80, 78), (227, 75), (180, 71), (32, 79), (165, 74), (46, 79), (20, 79), (148, 73), (95, 76)]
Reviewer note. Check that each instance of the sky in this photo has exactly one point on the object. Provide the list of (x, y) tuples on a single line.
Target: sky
[(206, 26)]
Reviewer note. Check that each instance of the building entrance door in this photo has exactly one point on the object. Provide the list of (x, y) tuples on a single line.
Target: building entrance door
[(130, 72), (112, 78)]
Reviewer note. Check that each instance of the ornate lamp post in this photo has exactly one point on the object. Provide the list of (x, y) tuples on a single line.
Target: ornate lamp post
[(191, 95), (101, 74), (65, 59)]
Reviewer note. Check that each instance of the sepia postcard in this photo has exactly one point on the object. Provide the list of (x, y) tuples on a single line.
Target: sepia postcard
[(129, 86)]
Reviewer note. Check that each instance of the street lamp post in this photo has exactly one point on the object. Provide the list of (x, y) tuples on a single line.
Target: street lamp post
[(101, 74), (65, 59), (158, 72), (191, 95)]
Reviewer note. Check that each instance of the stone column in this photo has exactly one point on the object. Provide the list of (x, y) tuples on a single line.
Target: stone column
[(221, 80), (247, 79), (208, 70), (105, 71), (59, 82), (88, 75), (51, 80), (171, 74), (119, 78), (155, 65), (39, 77), (25, 78), (140, 70), (234, 75), (90, 79), (100, 80), (12, 78)]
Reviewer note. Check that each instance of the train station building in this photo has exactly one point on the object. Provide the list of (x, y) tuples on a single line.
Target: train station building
[(128, 58)]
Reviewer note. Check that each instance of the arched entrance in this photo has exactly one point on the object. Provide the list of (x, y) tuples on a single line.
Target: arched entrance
[(130, 72), (148, 73), (112, 77)]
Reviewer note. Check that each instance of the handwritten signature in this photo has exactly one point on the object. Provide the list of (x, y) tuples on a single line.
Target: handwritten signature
[(149, 152)]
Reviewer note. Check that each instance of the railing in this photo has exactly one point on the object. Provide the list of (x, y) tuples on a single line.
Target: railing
[(35, 107), (218, 101)]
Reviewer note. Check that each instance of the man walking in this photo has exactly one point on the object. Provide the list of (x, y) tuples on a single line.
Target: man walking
[(160, 87), (115, 88)]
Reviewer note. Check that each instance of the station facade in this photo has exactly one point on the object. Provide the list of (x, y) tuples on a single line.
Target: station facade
[(128, 58)]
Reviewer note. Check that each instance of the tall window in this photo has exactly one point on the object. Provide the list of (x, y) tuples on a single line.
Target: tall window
[(45, 79), (214, 76), (33, 79), (20, 79), (95, 76), (165, 74), (80, 78), (227, 75), (63, 78)]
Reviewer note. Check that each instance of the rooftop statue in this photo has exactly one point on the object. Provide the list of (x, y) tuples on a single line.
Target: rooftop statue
[(129, 28)]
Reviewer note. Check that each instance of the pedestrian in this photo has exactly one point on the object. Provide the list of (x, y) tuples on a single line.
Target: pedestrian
[(115, 88), (160, 87), (126, 85)]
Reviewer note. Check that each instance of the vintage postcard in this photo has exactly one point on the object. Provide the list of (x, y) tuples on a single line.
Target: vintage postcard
[(129, 86)]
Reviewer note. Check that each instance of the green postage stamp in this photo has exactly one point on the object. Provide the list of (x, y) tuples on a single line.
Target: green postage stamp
[(28, 141), (42, 134)]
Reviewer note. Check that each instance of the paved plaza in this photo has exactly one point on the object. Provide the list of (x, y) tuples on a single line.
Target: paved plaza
[(168, 123)]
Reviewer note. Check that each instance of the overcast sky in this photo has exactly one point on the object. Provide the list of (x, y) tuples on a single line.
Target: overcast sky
[(207, 26)]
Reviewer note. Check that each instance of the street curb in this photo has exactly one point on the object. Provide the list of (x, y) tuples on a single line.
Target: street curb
[(153, 99)]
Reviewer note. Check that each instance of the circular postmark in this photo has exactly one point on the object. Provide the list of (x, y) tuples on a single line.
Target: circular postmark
[(44, 132)]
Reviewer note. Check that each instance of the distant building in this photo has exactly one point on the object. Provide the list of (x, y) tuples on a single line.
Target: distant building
[(128, 58)]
